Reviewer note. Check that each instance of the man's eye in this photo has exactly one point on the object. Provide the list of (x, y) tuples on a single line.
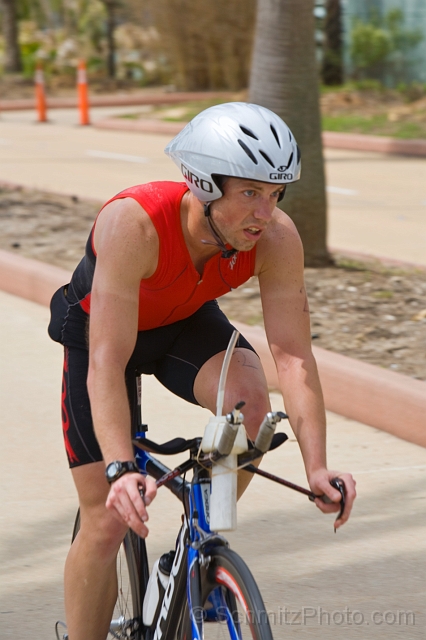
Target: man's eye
[(249, 192)]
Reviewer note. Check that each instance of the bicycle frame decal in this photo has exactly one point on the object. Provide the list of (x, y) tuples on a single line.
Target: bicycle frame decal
[(180, 553), (205, 494), (201, 503)]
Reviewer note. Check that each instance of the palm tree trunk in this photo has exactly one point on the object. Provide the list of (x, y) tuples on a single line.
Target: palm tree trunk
[(110, 6), (284, 78), (332, 66), (12, 63)]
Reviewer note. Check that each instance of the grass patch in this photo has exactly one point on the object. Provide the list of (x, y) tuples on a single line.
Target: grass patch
[(410, 130), (350, 264), (179, 112), (130, 116), (187, 110), (354, 123), (377, 125), (375, 266)]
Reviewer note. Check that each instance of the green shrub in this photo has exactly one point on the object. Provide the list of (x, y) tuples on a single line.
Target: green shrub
[(370, 45), (381, 46), (29, 58)]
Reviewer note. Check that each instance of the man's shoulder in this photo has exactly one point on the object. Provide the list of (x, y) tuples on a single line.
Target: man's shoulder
[(281, 229), (157, 187), (153, 197), (280, 241)]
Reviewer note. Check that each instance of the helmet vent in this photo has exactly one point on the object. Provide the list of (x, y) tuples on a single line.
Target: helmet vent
[(267, 158), (248, 132), (275, 135), (248, 151), (298, 154)]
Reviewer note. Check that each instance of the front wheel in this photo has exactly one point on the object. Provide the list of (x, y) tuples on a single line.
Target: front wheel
[(126, 623), (233, 606)]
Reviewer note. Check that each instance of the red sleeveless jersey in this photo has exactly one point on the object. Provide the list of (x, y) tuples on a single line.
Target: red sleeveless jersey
[(176, 290)]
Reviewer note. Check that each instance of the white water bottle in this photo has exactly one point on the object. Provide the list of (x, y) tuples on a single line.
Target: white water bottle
[(156, 587), (223, 501)]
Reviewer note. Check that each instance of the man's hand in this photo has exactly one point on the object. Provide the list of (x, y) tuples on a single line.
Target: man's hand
[(126, 503), (320, 485)]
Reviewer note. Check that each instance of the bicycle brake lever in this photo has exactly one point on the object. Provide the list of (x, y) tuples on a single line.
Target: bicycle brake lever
[(338, 484)]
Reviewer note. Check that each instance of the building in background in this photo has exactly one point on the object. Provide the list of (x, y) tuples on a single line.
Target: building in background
[(406, 63)]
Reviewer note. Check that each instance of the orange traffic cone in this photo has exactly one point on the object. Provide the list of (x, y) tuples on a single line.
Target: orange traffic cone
[(83, 94), (40, 94)]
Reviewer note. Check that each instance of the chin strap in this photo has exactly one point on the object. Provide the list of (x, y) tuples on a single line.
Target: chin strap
[(226, 253)]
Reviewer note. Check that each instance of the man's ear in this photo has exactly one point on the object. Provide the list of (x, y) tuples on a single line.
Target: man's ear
[(282, 194)]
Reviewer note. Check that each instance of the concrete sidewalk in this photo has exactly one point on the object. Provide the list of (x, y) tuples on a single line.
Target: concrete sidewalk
[(368, 581), (377, 202)]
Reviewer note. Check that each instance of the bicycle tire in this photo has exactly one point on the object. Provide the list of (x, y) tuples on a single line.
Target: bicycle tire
[(228, 575), (126, 623)]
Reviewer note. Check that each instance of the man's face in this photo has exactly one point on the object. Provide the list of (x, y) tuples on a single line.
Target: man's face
[(244, 211)]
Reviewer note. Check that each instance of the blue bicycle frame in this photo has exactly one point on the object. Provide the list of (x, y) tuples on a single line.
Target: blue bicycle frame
[(192, 551)]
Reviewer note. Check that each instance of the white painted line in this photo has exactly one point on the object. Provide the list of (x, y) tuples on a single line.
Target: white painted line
[(343, 192), (418, 466), (110, 155)]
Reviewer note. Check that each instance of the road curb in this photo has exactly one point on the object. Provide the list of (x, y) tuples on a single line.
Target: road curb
[(383, 399), (30, 279), (358, 390), (331, 139)]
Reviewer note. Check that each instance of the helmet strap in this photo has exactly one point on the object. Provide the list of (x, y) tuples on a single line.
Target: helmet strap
[(226, 253), (206, 207)]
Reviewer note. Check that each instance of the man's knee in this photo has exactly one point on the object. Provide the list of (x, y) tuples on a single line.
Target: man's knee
[(99, 529), (257, 404), (246, 381)]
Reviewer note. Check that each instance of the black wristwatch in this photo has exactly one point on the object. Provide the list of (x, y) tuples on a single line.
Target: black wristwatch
[(117, 469)]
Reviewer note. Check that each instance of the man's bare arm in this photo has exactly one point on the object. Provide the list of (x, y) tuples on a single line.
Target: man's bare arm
[(287, 325), (127, 249)]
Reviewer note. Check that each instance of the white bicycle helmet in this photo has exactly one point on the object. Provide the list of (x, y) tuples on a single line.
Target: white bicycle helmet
[(235, 139)]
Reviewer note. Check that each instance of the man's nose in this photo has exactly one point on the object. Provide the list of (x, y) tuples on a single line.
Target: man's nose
[(264, 210)]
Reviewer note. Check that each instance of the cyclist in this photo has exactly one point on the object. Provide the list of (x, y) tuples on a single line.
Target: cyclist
[(157, 258)]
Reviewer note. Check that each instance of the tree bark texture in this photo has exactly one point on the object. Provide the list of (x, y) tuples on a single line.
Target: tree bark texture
[(13, 62), (284, 78), (110, 6), (332, 65), (208, 43)]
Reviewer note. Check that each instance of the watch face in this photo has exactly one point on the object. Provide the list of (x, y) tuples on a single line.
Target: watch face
[(113, 469)]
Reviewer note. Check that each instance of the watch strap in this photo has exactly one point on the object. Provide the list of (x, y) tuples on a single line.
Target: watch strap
[(127, 466)]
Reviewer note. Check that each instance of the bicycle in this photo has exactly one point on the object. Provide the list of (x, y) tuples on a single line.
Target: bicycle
[(202, 588)]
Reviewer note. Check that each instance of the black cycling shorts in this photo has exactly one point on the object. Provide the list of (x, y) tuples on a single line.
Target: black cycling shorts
[(173, 354)]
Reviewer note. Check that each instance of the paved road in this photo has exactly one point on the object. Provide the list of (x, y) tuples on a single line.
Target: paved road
[(315, 584), (312, 580), (377, 203)]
